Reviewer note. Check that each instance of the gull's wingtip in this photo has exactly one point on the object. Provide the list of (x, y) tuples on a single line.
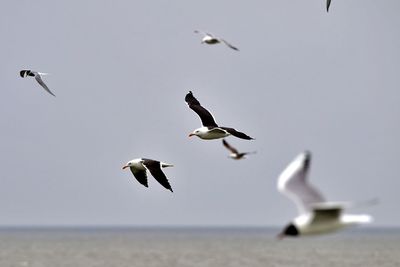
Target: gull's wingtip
[(328, 4)]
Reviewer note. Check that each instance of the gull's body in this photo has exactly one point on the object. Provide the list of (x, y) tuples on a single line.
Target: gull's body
[(38, 78), (210, 39), (235, 154), (316, 215), (210, 129), (139, 168), (210, 134)]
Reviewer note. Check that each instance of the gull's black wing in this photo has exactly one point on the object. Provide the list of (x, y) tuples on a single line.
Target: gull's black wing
[(205, 116), (229, 147), (140, 175), (154, 168), (237, 133)]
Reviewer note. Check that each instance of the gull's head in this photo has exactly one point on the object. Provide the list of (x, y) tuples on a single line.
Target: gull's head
[(289, 231), (127, 165), (198, 132), (194, 133)]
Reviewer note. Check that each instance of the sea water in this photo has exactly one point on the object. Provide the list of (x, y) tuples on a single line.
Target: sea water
[(172, 247)]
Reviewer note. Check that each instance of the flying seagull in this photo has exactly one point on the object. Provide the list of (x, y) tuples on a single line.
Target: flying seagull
[(38, 77), (210, 129), (234, 152), (210, 39), (317, 216), (328, 3), (139, 169)]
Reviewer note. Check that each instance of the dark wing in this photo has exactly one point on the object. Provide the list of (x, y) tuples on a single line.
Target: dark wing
[(229, 45), (140, 175), (154, 168), (237, 134), (228, 146), (206, 118), (40, 81), (328, 3), (293, 182), (325, 215)]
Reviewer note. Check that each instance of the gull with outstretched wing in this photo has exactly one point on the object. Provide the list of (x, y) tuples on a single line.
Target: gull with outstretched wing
[(316, 215), (210, 39), (210, 129)]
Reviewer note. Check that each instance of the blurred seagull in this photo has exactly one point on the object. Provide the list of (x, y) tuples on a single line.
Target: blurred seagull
[(38, 77), (210, 39), (317, 216), (210, 129), (234, 152), (139, 169)]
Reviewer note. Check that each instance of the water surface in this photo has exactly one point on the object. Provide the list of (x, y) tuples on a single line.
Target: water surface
[(170, 247)]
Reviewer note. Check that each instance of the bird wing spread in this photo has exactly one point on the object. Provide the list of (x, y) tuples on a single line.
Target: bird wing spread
[(154, 168), (204, 33), (140, 175), (40, 81), (205, 116), (237, 133), (294, 184), (229, 45), (229, 147)]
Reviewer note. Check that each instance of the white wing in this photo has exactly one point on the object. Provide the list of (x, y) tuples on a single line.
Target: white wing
[(40, 81), (293, 183), (204, 33)]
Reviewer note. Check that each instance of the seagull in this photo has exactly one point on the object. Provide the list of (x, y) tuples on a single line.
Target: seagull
[(210, 129), (38, 77), (328, 3), (317, 216), (234, 152), (139, 169), (210, 39)]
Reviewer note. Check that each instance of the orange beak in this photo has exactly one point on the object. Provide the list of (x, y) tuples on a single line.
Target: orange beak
[(126, 166)]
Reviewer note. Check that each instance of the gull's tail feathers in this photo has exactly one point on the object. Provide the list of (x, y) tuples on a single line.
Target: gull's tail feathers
[(357, 219), (165, 165)]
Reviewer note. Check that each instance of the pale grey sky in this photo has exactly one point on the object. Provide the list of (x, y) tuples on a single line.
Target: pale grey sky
[(303, 79)]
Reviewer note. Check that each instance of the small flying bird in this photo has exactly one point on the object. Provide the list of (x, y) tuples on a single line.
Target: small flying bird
[(210, 39), (38, 77), (210, 129), (139, 169), (234, 152), (317, 216)]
